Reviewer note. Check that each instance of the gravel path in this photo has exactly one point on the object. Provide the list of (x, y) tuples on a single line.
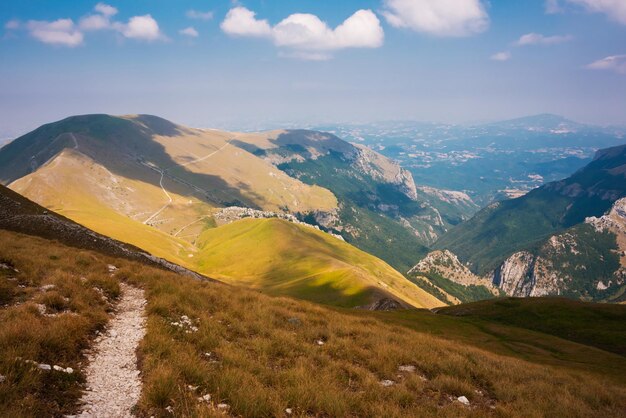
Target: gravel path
[(113, 379)]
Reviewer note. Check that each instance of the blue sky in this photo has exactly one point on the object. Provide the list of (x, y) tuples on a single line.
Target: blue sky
[(254, 62)]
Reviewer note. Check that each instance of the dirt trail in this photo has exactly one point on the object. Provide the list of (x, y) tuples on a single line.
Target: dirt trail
[(163, 172), (113, 379)]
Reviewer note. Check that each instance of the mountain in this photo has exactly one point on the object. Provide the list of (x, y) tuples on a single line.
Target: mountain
[(564, 238), (543, 122), (285, 258), (19, 214), (441, 273), (165, 188), (143, 170), (380, 210)]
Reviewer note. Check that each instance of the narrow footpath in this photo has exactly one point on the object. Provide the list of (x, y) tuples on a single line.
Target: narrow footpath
[(113, 383)]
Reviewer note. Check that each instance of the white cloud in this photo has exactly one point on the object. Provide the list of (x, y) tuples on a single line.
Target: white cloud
[(59, 32), (94, 22), (308, 32), (195, 14), (140, 27), (190, 31), (613, 9), (501, 56), (12, 24), (539, 39), (240, 21), (616, 63), (100, 20), (65, 32), (105, 9), (306, 36), (438, 17)]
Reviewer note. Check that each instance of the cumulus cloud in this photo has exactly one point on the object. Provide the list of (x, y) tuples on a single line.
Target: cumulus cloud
[(306, 36), (438, 17), (100, 20), (141, 28), (190, 31), (240, 21), (615, 63), (61, 32), (613, 9), (195, 14), (501, 56), (539, 39), (105, 9), (65, 32), (95, 22)]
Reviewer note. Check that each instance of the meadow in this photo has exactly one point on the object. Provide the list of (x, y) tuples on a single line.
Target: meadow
[(258, 355)]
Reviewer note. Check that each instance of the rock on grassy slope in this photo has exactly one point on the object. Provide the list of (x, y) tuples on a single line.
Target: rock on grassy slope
[(284, 258), (211, 349)]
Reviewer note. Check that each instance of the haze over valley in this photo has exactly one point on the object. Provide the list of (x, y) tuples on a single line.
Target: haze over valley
[(435, 227)]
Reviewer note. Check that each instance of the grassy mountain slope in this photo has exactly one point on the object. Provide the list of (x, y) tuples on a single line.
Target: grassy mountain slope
[(126, 161), (592, 324), (509, 226), (269, 254), (262, 350), (380, 209), (104, 203), (284, 258)]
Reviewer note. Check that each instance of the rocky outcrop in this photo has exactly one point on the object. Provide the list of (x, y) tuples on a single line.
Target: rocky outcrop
[(385, 304), (452, 197), (446, 264), (235, 213), (563, 260), (385, 170), (515, 276)]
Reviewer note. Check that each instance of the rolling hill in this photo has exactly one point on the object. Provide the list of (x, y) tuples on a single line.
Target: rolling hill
[(284, 258)]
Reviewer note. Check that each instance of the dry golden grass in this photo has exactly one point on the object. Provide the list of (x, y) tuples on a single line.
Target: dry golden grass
[(259, 354), (74, 311)]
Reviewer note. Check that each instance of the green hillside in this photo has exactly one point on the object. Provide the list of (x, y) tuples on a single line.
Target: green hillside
[(593, 324), (512, 225), (361, 198), (283, 258)]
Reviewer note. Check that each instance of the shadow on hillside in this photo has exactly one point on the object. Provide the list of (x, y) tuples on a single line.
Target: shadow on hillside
[(126, 147)]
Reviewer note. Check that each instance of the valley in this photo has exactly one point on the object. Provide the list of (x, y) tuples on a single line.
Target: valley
[(309, 209)]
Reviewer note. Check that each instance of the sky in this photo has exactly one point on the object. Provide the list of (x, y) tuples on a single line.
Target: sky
[(229, 64)]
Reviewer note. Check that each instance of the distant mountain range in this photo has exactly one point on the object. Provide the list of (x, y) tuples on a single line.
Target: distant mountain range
[(488, 162)]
